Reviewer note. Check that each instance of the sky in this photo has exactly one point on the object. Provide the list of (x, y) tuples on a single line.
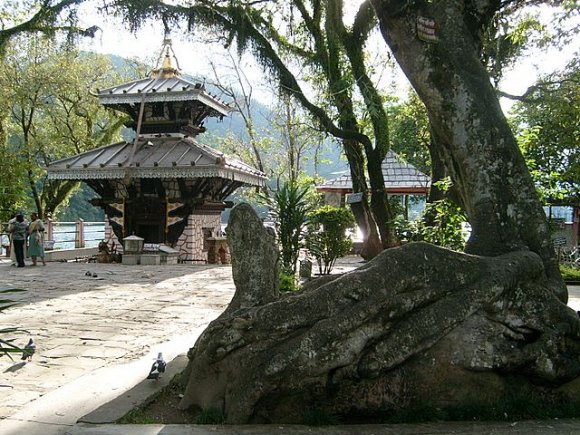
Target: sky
[(194, 57)]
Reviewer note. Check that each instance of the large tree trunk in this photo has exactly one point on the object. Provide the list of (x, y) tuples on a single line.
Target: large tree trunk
[(362, 212), (415, 325), (476, 143)]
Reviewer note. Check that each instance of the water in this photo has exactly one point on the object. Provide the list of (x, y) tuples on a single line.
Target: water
[(64, 235)]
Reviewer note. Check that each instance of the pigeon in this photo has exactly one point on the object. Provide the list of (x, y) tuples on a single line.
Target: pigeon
[(88, 273), (158, 367), (29, 350)]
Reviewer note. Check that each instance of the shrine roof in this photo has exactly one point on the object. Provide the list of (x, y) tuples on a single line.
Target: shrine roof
[(400, 177), (154, 156), (161, 89)]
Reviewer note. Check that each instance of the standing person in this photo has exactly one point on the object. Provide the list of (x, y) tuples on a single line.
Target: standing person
[(12, 254), (18, 229), (36, 239)]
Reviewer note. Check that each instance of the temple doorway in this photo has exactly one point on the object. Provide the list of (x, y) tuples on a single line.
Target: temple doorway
[(146, 218)]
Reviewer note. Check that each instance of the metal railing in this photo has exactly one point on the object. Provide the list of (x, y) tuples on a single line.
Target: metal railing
[(62, 235)]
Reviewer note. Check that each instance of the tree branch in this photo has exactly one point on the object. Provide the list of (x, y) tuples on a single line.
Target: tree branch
[(543, 86), (44, 21)]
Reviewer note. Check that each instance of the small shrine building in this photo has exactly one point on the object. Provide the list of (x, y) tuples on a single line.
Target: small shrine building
[(163, 186), (401, 179)]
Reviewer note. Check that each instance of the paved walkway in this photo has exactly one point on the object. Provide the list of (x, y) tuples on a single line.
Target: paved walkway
[(84, 325), (97, 337)]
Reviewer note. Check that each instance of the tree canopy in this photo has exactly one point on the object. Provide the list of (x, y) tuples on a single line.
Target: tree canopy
[(546, 123), (51, 113)]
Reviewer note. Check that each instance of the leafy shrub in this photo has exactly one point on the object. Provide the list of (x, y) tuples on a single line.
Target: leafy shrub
[(326, 239), (289, 208), (288, 281), (569, 273), (444, 227)]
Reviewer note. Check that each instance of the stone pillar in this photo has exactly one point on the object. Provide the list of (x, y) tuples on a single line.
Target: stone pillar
[(218, 251), (49, 228), (80, 233)]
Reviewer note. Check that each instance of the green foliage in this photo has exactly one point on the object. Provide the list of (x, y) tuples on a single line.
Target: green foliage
[(546, 124), (18, 17), (210, 416), (50, 114), (570, 273), (409, 132), (137, 416), (445, 228), (288, 282), (326, 239), (78, 206), (289, 208), (7, 345), (507, 37), (12, 183)]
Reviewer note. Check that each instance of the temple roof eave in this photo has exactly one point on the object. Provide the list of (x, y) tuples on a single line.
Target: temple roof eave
[(84, 174), (155, 156), (115, 99)]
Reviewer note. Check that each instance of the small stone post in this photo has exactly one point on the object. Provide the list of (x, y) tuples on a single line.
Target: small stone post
[(49, 228), (80, 233)]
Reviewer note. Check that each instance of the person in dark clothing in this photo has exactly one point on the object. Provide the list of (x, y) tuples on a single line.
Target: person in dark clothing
[(19, 230)]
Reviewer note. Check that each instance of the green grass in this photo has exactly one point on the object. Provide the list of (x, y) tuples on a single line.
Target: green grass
[(137, 416)]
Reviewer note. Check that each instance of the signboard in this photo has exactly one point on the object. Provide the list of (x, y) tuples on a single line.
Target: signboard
[(426, 29), (354, 198), (559, 241)]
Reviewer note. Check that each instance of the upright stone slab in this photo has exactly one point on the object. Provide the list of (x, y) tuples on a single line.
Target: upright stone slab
[(254, 259)]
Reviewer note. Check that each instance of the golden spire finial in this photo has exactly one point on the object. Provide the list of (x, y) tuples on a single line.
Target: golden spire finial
[(167, 70)]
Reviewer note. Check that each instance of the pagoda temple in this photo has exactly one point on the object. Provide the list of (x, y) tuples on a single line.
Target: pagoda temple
[(163, 186)]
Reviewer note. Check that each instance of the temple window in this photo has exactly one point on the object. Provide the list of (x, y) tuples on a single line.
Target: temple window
[(158, 110)]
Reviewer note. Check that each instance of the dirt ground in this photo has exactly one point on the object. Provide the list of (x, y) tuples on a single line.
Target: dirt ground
[(164, 409)]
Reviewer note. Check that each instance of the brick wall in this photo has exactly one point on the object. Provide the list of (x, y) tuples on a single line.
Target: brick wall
[(190, 243)]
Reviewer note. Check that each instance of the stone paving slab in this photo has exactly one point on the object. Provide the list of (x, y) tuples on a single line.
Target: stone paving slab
[(139, 395), (82, 324)]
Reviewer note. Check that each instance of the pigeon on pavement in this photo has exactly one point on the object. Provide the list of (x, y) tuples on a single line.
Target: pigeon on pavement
[(158, 367), (29, 350)]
